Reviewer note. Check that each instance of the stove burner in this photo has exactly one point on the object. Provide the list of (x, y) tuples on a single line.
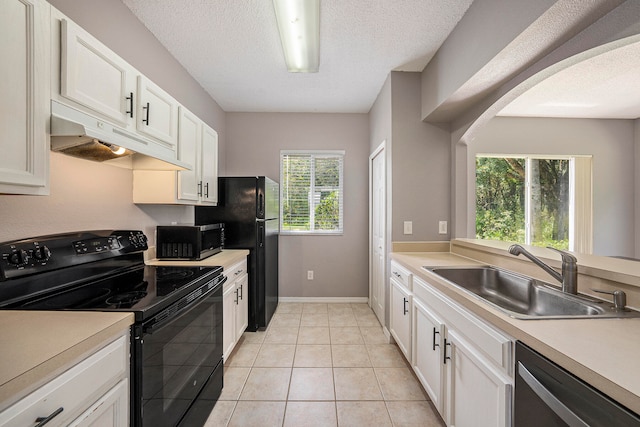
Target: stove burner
[(76, 298), (126, 299), (164, 274)]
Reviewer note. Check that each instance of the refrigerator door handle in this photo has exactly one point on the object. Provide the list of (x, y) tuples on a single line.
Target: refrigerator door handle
[(261, 235), (260, 204)]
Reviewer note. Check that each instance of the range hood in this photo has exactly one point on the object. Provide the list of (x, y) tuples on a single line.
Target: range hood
[(79, 134)]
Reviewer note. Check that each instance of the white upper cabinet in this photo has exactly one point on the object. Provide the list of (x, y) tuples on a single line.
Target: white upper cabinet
[(157, 113), (93, 76), (209, 165), (198, 147), (190, 143), (89, 77), (24, 85)]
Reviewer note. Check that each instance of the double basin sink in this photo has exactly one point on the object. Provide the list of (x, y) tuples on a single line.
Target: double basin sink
[(523, 297)]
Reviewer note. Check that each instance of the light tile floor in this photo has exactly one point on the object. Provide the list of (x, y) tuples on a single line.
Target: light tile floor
[(320, 365)]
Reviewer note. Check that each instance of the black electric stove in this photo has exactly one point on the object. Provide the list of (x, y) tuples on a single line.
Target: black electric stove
[(178, 312)]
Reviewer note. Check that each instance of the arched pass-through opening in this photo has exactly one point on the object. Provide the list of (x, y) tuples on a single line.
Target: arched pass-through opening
[(605, 62)]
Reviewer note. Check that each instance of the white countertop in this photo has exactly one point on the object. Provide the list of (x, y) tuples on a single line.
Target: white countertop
[(36, 346), (602, 352), (226, 259)]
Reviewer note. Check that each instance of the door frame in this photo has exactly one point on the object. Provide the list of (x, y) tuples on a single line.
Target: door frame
[(381, 149)]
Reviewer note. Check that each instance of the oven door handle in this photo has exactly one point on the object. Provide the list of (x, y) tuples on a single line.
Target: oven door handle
[(174, 315), (559, 408)]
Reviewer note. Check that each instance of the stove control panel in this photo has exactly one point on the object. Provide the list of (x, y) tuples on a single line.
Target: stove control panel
[(101, 244), (29, 256)]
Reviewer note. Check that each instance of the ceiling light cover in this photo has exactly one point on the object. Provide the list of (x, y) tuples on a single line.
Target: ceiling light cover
[(299, 26)]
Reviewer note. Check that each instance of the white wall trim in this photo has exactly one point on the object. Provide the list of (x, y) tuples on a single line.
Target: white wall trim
[(387, 334), (351, 300)]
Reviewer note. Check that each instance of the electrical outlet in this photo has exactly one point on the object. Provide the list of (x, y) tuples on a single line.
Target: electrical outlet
[(442, 227), (310, 275), (408, 227)]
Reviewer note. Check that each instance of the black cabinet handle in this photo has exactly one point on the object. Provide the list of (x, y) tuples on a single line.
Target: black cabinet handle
[(130, 99), (199, 188), (44, 420), (405, 306), (206, 190), (434, 339), (146, 121), (445, 358), (236, 292), (241, 292)]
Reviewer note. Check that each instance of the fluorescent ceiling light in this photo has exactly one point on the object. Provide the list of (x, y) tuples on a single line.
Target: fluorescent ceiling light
[(299, 26)]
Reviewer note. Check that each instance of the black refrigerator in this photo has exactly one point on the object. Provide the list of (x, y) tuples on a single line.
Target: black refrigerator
[(250, 209)]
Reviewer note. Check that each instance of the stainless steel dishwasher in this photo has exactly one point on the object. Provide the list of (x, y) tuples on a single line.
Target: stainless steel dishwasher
[(547, 395)]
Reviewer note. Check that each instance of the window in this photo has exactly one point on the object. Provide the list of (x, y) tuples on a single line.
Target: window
[(311, 192), (536, 200)]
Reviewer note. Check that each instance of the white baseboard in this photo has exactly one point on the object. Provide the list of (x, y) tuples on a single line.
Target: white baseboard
[(386, 332), (352, 300)]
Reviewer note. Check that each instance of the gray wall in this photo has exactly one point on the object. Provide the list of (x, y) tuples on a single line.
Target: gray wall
[(417, 161), (420, 190), (610, 142), (340, 263), (487, 28), (87, 195)]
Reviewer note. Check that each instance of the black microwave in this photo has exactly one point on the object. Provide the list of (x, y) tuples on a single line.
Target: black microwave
[(189, 242)]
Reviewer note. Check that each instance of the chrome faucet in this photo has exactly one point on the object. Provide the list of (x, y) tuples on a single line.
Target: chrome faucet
[(569, 276)]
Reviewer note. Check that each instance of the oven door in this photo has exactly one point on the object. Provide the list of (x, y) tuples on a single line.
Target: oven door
[(175, 355)]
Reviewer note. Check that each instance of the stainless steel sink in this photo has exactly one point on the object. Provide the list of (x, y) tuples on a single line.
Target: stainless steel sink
[(523, 297)]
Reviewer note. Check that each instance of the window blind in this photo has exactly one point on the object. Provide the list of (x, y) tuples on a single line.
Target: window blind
[(312, 192)]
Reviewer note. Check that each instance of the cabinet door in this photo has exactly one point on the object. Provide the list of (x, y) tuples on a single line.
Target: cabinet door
[(157, 113), (229, 320), (93, 76), (110, 410), (242, 308), (428, 333), (189, 144), (209, 165), (400, 318), (477, 394), (73, 391), (24, 85)]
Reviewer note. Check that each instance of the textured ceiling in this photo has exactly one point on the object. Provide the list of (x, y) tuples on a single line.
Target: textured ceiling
[(604, 86), (232, 48)]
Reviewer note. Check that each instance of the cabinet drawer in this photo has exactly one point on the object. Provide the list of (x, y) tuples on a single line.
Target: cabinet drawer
[(495, 346), (74, 390), (402, 275), (236, 270)]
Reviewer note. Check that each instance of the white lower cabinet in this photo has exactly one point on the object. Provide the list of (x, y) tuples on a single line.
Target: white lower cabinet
[(110, 410), (235, 306), (95, 392), (400, 317), (477, 394), (427, 352), (464, 364), (400, 307)]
